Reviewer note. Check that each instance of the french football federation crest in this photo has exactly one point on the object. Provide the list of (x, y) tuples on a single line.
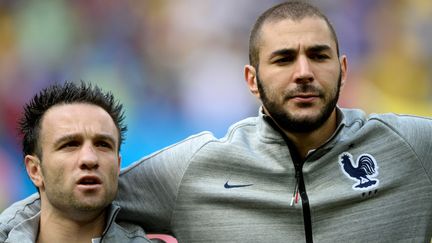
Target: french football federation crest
[(362, 171)]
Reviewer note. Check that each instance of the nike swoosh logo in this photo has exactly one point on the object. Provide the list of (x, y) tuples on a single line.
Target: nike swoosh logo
[(228, 186)]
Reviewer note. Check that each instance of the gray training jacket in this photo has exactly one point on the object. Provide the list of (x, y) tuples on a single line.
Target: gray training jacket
[(27, 230), (370, 182)]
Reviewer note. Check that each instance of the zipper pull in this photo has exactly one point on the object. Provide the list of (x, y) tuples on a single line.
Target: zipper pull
[(295, 196)]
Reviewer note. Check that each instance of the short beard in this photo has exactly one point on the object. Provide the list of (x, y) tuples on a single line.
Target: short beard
[(293, 124)]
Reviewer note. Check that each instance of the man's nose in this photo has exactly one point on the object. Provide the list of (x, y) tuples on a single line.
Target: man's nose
[(88, 157), (303, 70)]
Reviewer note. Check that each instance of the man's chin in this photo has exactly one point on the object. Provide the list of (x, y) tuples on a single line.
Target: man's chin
[(90, 202), (91, 205), (304, 121), (305, 116)]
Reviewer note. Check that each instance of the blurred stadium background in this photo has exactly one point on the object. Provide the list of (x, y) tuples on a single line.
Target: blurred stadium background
[(177, 65)]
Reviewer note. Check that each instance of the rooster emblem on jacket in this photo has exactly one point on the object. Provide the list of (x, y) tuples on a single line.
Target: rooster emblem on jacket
[(362, 171)]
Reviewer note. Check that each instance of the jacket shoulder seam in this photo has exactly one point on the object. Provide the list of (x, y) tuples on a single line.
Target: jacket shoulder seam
[(404, 139)]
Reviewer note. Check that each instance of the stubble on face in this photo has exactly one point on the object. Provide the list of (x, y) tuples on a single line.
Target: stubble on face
[(286, 119), (77, 141), (62, 195)]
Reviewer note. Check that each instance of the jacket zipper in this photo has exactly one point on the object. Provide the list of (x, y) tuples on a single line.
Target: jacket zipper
[(300, 188)]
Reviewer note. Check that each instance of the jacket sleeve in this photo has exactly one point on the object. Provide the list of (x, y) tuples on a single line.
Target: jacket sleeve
[(148, 188), (17, 213), (417, 132)]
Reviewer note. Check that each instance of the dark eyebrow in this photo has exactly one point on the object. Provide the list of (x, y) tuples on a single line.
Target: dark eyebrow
[(293, 52), (74, 137), (71, 137), (319, 48)]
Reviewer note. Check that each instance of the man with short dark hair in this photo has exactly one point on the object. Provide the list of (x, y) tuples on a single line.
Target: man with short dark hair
[(303, 169), (71, 142)]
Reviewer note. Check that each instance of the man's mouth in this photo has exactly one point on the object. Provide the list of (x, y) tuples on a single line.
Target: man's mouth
[(304, 97), (89, 182)]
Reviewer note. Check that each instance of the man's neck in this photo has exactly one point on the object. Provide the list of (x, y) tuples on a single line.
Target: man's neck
[(305, 142), (57, 227)]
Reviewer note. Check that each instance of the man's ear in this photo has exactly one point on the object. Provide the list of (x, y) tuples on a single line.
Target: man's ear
[(251, 80), (34, 170), (344, 69)]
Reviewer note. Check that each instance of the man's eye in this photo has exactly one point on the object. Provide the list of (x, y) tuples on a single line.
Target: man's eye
[(284, 60), (70, 144), (103, 144), (319, 57)]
